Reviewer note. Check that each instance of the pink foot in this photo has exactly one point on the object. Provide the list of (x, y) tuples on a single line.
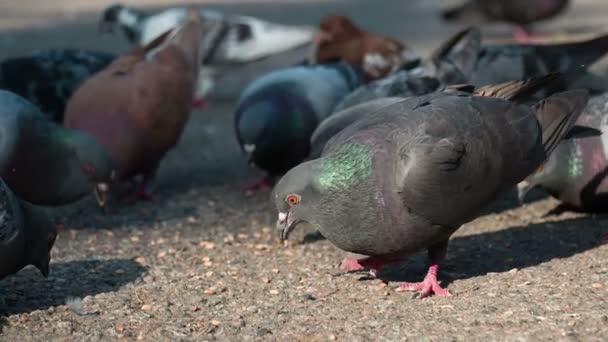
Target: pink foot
[(375, 264), (59, 226), (199, 103), (428, 286), (261, 183), (604, 239), (521, 35)]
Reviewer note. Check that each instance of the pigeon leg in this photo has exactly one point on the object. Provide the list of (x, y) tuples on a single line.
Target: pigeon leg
[(257, 185), (523, 35), (430, 284), (604, 239), (143, 190), (375, 264)]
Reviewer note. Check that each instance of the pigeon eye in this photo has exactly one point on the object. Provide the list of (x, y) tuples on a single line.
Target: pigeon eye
[(292, 199)]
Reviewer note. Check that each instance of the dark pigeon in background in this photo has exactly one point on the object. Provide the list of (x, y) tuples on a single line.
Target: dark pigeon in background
[(520, 12), (49, 78), (45, 163), (406, 177), (277, 113), (451, 63), (27, 235), (507, 62)]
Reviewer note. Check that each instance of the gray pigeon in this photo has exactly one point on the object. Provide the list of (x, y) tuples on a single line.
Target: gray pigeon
[(449, 64), (507, 62), (520, 12), (278, 112), (577, 172), (27, 235), (49, 78), (406, 177), (45, 163)]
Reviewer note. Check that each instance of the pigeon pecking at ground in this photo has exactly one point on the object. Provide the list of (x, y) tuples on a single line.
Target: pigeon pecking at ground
[(278, 112), (577, 172), (378, 55), (27, 235), (49, 78), (43, 162), (406, 177), (519, 12), (138, 106), (451, 63), (236, 40)]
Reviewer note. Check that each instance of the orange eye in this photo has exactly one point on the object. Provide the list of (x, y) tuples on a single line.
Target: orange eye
[(292, 199)]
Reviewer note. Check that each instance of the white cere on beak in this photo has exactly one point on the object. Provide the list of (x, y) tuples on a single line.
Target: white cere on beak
[(249, 148), (282, 217)]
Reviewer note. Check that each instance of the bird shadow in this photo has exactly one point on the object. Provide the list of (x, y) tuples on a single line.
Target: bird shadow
[(28, 291), (501, 251)]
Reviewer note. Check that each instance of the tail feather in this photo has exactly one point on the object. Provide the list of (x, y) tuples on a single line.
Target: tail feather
[(557, 115), (586, 52)]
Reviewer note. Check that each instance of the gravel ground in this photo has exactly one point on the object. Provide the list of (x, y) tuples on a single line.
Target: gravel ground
[(201, 262)]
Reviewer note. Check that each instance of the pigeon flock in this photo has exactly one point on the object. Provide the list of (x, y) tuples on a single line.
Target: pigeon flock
[(384, 152)]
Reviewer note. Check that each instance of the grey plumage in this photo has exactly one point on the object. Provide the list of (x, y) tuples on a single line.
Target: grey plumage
[(449, 64), (43, 162), (277, 113), (26, 235), (405, 177)]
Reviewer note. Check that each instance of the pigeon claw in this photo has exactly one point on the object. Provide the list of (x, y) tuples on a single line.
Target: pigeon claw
[(259, 184), (428, 286)]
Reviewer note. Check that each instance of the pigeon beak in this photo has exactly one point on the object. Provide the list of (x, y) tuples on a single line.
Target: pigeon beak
[(523, 188), (285, 225), (249, 150), (101, 194)]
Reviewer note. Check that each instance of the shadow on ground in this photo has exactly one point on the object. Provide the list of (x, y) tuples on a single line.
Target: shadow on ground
[(501, 251), (28, 291)]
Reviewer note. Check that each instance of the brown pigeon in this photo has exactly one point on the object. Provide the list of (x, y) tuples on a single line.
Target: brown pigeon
[(339, 38), (138, 106)]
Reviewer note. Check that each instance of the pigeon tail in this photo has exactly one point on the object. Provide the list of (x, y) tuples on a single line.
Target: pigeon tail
[(586, 52), (557, 115)]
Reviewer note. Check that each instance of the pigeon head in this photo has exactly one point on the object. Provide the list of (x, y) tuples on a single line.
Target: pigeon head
[(120, 15), (274, 127), (320, 191), (336, 35), (296, 198), (40, 234)]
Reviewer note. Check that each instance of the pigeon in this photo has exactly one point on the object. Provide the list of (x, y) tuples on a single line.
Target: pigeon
[(49, 78), (406, 177), (43, 162), (451, 63), (238, 39), (277, 113), (522, 13), (502, 63), (576, 173), (339, 38), (138, 106), (27, 235)]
